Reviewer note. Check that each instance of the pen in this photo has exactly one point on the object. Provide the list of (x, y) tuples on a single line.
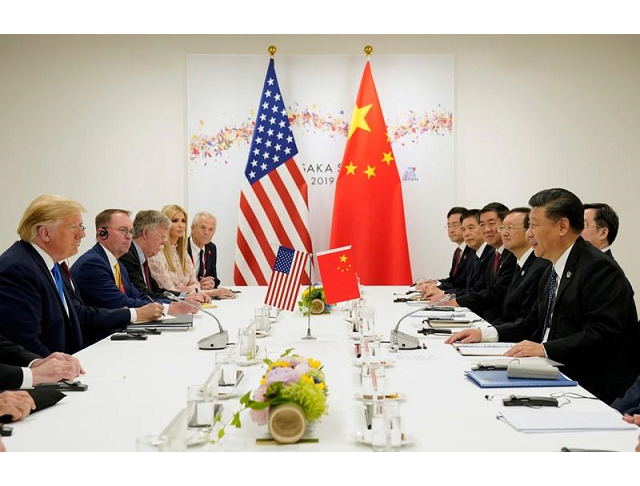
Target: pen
[(358, 353)]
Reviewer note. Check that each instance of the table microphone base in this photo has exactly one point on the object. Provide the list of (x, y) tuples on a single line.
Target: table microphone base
[(403, 340), (215, 341)]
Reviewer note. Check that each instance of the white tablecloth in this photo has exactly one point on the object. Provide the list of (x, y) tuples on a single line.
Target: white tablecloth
[(137, 387)]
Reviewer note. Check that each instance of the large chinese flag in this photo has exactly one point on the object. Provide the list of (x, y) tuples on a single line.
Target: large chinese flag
[(368, 211)]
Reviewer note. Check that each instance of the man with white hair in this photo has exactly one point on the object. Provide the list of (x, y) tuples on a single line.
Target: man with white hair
[(203, 254)]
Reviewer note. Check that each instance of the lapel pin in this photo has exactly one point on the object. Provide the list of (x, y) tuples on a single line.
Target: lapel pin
[(522, 274), (568, 274)]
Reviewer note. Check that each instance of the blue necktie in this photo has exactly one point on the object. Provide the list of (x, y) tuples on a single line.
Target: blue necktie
[(58, 278), (550, 299)]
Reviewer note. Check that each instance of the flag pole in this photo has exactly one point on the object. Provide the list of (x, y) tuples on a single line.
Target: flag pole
[(368, 50), (309, 336)]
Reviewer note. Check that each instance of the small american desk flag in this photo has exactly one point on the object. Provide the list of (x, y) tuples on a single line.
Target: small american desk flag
[(285, 279)]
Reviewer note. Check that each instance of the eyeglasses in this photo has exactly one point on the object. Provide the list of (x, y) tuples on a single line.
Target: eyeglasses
[(504, 228), (123, 231), (452, 226), (163, 237), (587, 225)]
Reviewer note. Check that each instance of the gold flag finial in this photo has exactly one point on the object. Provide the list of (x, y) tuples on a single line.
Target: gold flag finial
[(368, 50), (272, 50)]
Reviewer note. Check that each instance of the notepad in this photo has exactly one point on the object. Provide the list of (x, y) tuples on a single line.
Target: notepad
[(544, 421), (499, 379), (483, 349)]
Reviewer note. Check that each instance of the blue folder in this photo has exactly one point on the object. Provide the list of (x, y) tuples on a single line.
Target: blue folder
[(499, 379)]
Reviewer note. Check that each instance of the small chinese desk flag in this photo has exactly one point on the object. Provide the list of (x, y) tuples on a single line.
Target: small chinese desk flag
[(338, 270)]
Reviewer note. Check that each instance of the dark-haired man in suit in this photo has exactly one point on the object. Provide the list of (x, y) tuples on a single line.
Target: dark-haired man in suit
[(585, 315), (601, 225)]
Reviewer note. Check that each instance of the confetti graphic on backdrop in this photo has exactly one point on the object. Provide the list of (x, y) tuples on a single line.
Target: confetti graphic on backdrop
[(408, 128)]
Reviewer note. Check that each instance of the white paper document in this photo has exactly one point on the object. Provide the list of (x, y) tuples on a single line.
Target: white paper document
[(539, 420)]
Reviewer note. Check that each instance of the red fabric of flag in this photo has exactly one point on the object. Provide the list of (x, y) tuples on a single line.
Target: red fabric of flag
[(368, 211), (338, 272)]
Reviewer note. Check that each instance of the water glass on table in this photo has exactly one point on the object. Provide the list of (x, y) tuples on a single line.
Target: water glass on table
[(367, 321), (200, 407), (261, 319), (247, 343), (228, 369), (385, 427), (372, 381)]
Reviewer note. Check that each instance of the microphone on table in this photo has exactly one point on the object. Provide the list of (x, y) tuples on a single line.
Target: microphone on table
[(402, 340), (218, 340)]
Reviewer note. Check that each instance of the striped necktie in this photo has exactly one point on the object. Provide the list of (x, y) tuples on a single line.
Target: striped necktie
[(119, 283), (550, 299)]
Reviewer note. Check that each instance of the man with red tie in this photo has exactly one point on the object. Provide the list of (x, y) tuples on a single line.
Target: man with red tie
[(150, 232), (485, 294), (203, 254), (103, 282), (457, 273)]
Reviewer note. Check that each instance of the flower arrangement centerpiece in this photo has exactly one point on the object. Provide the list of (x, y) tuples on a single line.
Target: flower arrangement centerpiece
[(292, 392), (313, 299)]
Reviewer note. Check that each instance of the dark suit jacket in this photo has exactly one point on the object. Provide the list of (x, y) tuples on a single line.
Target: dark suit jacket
[(523, 291), (609, 254), (95, 282), (475, 272), (459, 280), (12, 359), (131, 262), (210, 258), (594, 329), (487, 302), (32, 312), (630, 402)]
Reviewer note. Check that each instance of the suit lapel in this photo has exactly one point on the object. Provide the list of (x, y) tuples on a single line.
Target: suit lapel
[(569, 269)]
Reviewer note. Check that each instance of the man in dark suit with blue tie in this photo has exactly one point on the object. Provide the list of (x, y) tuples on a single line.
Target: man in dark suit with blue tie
[(38, 308), (204, 256), (585, 316), (601, 225)]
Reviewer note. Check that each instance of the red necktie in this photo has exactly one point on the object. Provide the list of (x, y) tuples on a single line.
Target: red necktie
[(496, 263), (456, 260), (147, 277)]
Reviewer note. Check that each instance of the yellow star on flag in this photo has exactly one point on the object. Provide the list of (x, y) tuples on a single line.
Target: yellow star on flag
[(358, 119), (371, 171), (387, 157), (343, 259), (351, 169)]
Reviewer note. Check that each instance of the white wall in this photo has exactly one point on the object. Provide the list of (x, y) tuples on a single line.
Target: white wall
[(103, 119)]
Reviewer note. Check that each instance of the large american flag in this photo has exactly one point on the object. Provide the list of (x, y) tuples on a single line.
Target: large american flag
[(274, 208), (285, 280)]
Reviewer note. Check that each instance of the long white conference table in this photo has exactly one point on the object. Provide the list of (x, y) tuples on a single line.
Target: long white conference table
[(138, 387)]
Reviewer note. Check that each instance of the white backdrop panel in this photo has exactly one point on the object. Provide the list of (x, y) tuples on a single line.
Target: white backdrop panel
[(416, 93)]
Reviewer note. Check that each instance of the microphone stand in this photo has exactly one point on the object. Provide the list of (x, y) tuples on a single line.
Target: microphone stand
[(401, 340), (218, 340), (309, 336)]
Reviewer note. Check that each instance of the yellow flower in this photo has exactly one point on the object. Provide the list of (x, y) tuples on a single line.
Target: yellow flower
[(306, 379), (263, 381), (320, 385), (314, 363), (279, 364)]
